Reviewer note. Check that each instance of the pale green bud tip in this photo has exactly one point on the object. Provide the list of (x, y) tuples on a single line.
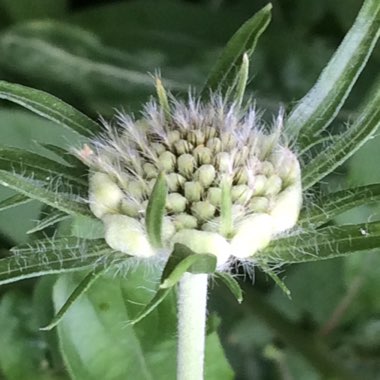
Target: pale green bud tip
[(104, 195), (252, 234), (126, 234)]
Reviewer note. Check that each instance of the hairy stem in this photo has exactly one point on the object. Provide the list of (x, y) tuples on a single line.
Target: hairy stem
[(192, 301)]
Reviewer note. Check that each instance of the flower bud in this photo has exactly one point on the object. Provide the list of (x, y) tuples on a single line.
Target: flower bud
[(205, 175), (104, 195), (193, 191), (126, 235), (286, 208), (252, 234), (176, 202)]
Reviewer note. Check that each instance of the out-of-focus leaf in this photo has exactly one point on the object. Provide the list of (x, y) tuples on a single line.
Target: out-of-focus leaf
[(53, 256), (82, 287), (50, 107), (346, 144), (49, 220), (70, 61), (22, 10), (223, 74), (145, 350), (322, 103), (61, 201), (13, 201), (24, 351), (333, 204), (325, 243)]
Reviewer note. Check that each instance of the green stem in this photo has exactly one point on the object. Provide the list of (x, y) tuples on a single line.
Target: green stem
[(192, 301)]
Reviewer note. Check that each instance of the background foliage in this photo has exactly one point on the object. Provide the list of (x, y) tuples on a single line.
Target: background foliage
[(98, 57)]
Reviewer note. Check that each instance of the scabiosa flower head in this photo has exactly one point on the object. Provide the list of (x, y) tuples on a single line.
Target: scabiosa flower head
[(232, 184)]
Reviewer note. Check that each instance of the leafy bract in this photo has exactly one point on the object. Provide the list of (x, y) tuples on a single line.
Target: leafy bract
[(322, 103), (244, 41)]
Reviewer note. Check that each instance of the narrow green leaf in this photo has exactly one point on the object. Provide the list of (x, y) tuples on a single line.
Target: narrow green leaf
[(333, 204), (325, 243), (66, 156), (25, 348), (243, 41), (49, 107), (13, 201), (322, 103), (51, 256), (231, 284), (82, 288), (271, 273), (160, 295), (226, 225), (49, 220), (242, 79), (32, 165), (347, 143), (30, 188), (155, 211)]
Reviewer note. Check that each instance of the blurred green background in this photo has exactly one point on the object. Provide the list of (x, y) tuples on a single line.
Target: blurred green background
[(101, 55)]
